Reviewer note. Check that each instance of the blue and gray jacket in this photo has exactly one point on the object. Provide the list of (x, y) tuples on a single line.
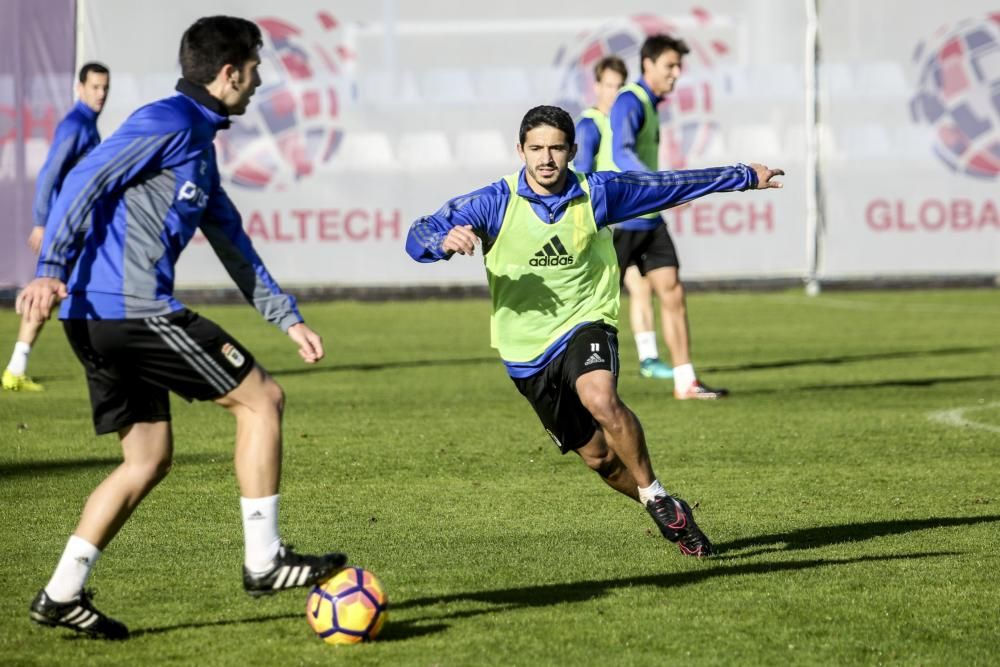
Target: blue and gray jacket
[(75, 136), (151, 185), (614, 196)]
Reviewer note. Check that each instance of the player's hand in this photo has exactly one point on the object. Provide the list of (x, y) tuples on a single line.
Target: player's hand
[(35, 238), (36, 300), (461, 240), (764, 176), (309, 342)]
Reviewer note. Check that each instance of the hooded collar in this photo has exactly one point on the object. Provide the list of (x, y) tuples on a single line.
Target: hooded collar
[(200, 95)]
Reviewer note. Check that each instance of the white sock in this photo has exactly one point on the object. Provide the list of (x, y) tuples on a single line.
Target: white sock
[(73, 569), (645, 341), (260, 532), (654, 490), (683, 376), (19, 360)]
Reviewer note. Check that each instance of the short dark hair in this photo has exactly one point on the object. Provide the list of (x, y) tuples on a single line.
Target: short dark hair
[(655, 45), (551, 116), (215, 41), (613, 63), (95, 67)]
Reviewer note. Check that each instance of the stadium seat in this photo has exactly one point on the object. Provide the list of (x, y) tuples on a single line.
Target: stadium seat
[(869, 141), (364, 151), (836, 79), (424, 150), (485, 147), (388, 87), (447, 85), (754, 143), (880, 79), (502, 84)]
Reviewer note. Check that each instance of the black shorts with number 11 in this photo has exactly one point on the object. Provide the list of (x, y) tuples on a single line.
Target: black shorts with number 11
[(552, 392)]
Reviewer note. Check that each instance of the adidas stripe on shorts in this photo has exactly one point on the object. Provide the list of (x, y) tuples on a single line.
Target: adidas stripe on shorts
[(133, 364), (552, 391)]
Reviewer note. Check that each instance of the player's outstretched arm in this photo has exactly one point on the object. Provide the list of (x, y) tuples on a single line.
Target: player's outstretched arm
[(36, 300), (764, 176), (310, 343)]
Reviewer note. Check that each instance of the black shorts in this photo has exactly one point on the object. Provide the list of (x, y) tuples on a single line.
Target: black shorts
[(647, 250), (552, 392), (132, 364)]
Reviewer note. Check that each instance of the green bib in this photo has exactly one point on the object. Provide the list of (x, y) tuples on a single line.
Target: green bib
[(603, 161), (546, 279), (647, 141)]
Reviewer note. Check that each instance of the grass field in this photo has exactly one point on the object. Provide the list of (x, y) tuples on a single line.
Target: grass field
[(850, 483)]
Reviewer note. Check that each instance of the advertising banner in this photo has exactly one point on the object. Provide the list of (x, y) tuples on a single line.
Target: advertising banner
[(910, 138), (36, 90), (373, 114)]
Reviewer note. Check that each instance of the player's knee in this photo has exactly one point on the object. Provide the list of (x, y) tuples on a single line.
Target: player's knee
[(152, 472), (605, 465), (605, 406), (273, 395)]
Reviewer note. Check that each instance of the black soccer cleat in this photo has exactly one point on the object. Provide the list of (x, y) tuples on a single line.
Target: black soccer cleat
[(78, 614), (292, 570), (676, 522)]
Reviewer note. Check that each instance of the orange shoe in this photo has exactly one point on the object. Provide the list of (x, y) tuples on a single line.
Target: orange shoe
[(700, 392)]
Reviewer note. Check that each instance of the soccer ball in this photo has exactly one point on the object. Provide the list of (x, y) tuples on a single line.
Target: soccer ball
[(348, 608)]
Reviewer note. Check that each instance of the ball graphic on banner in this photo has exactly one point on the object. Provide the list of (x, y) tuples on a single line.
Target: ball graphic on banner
[(958, 80), (687, 125), (292, 124)]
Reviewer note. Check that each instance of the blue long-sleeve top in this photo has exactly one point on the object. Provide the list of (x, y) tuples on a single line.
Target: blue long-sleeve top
[(75, 136), (151, 185), (614, 196), (588, 142), (627, 116)]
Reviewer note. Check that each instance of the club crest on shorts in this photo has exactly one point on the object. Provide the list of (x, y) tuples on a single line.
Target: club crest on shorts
[(232, 355)]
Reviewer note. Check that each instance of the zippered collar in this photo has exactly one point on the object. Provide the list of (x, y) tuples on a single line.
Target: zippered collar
[(199, 94)]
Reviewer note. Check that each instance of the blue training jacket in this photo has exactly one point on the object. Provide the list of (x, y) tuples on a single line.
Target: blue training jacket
[(75, 136), (614, 196), (627, 116), (151, 185)]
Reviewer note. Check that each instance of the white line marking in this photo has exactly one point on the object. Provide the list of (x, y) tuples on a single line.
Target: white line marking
[(957, 417)]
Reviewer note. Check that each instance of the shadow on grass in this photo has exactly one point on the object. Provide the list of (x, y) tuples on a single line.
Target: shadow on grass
[(410, 363), (850, 358), (394, 630), (580, 591), (823, 536), (55, 466), (545, 595), (878, 384)]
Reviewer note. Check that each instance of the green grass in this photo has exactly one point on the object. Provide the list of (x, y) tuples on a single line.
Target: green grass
[(854, 527)]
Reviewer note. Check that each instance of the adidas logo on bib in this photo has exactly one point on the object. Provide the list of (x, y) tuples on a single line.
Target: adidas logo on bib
[(553, 253)]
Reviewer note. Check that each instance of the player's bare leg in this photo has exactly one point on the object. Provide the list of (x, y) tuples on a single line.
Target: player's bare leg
[(269, 566), (673, 313), (621, 429), (15, 376), (148, 449), (643, 322), (257, 404), (602, 459)]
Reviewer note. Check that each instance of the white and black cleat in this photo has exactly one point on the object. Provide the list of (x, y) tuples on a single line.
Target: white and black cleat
[(292, 570), (78, 614)]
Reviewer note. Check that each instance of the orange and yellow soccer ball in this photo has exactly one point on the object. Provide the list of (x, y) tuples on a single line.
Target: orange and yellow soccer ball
[(348, 608)]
